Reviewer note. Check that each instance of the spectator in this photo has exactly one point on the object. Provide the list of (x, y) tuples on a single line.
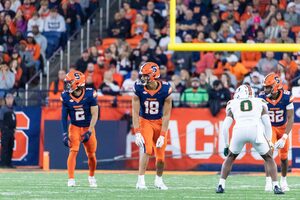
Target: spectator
[(188, 25), (255, 80), (128, 84), (183, 59), (44, 10), (160, 57), (55, 22), (254, 28), (109, 86), (94, 53), (218, 97), (27, 63), (203, 81), (284, 38), (119, 27), (268, 64), (139, 27), (291, 16), (148, 20), (165, 40), (15, 67), (279, 18), (225, 32), (36, 20), (81, 63), (210, 77), (272, 31), (151, 41), (35, 50), (184, 76), (158, 19), (199, 9), (129, 12), (236, 68), (7, 77), (230, 12), (20, 22), (194, 96), (227, 83), (92, 75), (41, 41), (206, 61), (141, 54), (288, 66), (271, 14), (57, 86), (8, 127), (27, 9), (116, 75), (7, 9)]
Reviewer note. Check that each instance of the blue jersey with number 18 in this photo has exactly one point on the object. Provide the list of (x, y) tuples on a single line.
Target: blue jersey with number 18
[(79, 109), (277, 108), (152, 101)]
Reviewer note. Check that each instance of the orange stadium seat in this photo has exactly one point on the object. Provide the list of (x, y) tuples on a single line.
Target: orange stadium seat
[(296, 29), (106, 100), (124, 101), (108, 41), (133, 42)]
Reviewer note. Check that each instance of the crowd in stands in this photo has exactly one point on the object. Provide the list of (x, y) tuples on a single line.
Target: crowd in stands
[(139, 32), (31, 30)]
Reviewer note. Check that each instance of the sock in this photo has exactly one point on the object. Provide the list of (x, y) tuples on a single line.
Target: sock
[(158, 178), (71, 163), (283, 179), (268, 179), (141, 178), (92, 163), (222, 182), (275, 183)]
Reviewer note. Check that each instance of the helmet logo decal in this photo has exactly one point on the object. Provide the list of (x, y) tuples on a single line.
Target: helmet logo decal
[(277, 79), (154, 69), (77, 76)]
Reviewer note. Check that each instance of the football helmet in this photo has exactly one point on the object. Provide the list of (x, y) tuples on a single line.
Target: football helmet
[(272, 84), (244, 92), (74, 80), (149, 71)]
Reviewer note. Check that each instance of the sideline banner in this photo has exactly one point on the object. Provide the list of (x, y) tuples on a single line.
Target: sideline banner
[(27, 136), (195, 143)]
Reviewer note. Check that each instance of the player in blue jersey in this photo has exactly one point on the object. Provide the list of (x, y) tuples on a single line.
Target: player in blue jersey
[(281, 112), (151, 110), (80, 104)]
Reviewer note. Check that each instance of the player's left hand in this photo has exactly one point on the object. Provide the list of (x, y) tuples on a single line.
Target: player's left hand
[(226, 150), (160, 141), (66, 139), (281, 142), (86, 136)]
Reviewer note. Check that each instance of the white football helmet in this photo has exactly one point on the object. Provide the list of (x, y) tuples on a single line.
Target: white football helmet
[(244, 92)]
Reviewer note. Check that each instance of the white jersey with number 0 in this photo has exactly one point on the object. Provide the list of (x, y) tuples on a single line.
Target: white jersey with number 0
[(246, 112)]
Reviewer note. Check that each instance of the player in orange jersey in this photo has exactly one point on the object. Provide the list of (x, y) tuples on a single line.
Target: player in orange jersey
[(281, 112), (151, 112), (80, 104)]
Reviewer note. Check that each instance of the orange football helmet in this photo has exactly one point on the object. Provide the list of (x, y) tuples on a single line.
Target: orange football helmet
[(74, 79), (149, 72), (272, 84)]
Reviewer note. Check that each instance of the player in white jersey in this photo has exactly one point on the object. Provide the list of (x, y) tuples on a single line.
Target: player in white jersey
[(252, 125)]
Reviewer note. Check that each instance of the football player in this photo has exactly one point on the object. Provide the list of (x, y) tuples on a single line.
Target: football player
[(80, 104), (252, 124), (151, 106), (281, 112)]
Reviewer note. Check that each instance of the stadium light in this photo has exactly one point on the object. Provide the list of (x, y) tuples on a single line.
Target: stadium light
[(259, 47)]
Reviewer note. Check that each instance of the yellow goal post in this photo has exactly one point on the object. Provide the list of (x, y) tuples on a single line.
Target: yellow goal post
[(259, 47)]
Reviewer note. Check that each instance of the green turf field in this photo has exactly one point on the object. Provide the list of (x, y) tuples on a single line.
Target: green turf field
[(52, 185)]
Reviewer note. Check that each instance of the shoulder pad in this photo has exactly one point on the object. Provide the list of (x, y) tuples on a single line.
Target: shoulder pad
[(262, 93), (286, 92), (165, 83)]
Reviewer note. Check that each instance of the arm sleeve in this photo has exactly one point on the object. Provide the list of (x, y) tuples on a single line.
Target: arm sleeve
[(64, 118), (225, 129), (268, 127)]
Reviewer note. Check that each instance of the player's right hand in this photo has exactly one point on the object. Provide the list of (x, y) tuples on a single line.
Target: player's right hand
[(66, 139), (139, 140), (226, 150)]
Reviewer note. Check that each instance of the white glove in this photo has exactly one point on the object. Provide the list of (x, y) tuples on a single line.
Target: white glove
[(281, 142), (160, 141), (139, 140)]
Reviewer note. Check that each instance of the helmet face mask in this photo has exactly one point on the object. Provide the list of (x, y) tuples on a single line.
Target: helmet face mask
[(145, 79), (244, 92), (268, 90), (149, 72)]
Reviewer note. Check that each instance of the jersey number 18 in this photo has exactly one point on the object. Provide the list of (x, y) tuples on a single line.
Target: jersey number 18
[(151, 107)]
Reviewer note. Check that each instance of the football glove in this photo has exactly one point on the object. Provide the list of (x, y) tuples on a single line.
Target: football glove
[(281, 142), (160, 141), (66, 139), (86, 136), (226, 150), (139, 140)]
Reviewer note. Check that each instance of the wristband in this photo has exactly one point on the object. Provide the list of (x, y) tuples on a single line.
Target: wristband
[(135, 130), (163, 133), (285, 136)]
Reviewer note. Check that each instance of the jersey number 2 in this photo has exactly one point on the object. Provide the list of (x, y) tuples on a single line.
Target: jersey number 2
[(276, 116), (79, 114), (151, 107)]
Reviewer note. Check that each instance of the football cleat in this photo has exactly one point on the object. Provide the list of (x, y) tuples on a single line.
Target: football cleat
[(160, 185), (92, 181), (277, 190), (284, 186), (268, 187), (220, 189), (71, 182), (141, 186)]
